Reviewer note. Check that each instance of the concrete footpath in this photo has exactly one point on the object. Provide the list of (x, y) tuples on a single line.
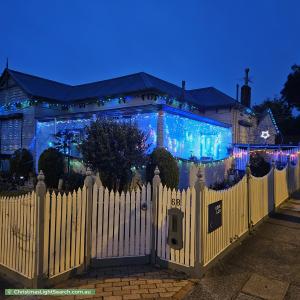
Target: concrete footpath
[(265, 266)]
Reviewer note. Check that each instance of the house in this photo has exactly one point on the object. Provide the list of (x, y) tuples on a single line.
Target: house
[(201, 123)]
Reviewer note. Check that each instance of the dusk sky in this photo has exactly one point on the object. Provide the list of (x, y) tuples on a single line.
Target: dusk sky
[(206, 43)]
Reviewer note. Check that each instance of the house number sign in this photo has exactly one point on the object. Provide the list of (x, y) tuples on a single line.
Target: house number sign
[(215, 211), (176, 202)]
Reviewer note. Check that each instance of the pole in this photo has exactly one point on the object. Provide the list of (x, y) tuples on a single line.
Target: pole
[(199, 189), (155, 187), (40, 219), (248, 174), (88, 182)]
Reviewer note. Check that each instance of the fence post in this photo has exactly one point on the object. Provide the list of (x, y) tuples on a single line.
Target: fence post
[(88, 182), (274, 187), (40, 221), (155, 186), (199, 247), (288, 175), (248, 174)]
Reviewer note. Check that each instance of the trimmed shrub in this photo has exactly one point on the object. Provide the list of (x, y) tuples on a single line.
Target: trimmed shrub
[(114, 149), (52, 163), (73, 181), (21, 163), (258, 165), (226, 183), (169, 171)]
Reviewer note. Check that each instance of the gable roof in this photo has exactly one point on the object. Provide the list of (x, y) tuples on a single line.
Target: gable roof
[(120, 86), (40, 87), (268, 112)]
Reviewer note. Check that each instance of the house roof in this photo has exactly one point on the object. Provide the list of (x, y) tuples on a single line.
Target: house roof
[(41, 87), (211, 97), (120, 86), (268, 112)]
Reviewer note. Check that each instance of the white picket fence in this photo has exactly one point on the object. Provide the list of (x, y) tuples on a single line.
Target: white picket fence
[(185, 201), (261, 196), (281, 185), (121, 223), (64, 231), (234, 219), (17, 234)]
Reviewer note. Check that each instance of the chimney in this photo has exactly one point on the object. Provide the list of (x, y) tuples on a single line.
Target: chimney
[(246, 90), (237, 92), (183, 89)]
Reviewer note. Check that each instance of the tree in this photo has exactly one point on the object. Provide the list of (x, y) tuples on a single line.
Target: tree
[(291, 90), (64, 141), (52, 163), (21, 163), (167, 165), (280, 110), (114, 149)]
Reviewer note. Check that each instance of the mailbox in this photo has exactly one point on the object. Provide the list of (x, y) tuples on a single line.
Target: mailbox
[(175, 231)]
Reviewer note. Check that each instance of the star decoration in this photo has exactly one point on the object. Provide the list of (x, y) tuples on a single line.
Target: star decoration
[(265, 134)]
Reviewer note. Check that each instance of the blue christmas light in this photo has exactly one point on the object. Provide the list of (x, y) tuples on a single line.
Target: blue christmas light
[(183, 136), (46, 130)]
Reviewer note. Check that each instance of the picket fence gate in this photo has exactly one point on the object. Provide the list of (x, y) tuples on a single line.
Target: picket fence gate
[(48, 236), (121, 223)]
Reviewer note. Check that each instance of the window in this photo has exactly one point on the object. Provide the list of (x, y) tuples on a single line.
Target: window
[(11, 135)]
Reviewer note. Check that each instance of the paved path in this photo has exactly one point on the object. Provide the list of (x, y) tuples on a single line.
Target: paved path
[(265, 266), (121, 283), (134, 282)]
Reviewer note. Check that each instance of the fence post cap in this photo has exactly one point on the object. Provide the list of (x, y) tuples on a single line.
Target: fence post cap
[(156, 179), (88, 171), (88, 181), (41, 176), (200, 173), (200, 184), (41, 186)]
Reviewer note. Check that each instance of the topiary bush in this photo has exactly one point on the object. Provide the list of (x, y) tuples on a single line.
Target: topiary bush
[(226, 183), (114, 149), (258, 165), (73, 181), (169, 171), (21, 163), (52, 163)]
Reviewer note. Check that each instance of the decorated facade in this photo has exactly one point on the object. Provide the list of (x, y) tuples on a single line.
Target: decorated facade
[(201, 124)]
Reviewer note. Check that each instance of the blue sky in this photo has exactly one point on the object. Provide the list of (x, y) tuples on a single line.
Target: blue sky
[(206, 43)]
